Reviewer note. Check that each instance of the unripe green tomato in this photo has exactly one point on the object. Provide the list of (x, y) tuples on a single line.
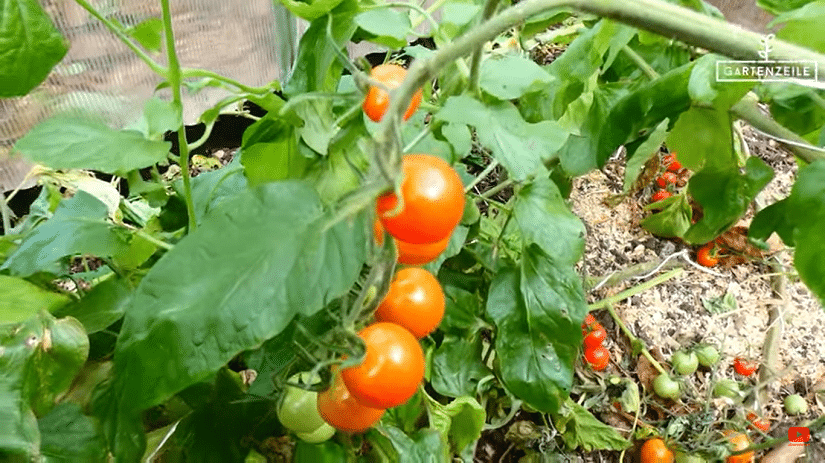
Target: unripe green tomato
[(666, 387), (685, 363), (682, 457), (795, 405), (708, 356), (726, 388), (298, 409), (322, 434)]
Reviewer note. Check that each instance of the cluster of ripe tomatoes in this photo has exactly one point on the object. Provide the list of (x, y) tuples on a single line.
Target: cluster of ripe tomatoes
[(594, 334), (668, 180), (420, 221)]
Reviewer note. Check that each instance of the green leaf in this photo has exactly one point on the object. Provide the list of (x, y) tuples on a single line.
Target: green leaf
[(406, 415), (780, 6), (521, 147), (340, 172), (459, 137), (31, 46), (40, 358), (456, 367), (796, 107), (210, 189), (639, 112), (460, 421), (425, 446), (673, 220), (704, 139), (310, 10), (325, 452), (512, 76), (103, 305), (580, 429), (21, 300), (706, 90), (269, 152), (317, 68), (216, 294), (67, 142), (462, 314), (79, 226), (644, 153), (724, 197), (158, 118), (67, 435), (319, 124), (545, 219), (389, 27), (800, 219), (456, 16), (537, 310), (148, 33), (803, 26)]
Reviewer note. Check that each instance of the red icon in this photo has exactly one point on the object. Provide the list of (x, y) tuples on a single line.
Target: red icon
[(798, 435)]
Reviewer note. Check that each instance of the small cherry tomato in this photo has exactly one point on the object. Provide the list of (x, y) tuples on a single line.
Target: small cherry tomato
[(392, 368), (684, 363), (655, 451), (743, 366), (727, 388), (595, 337), (672, 163), (340, 409), (589, 319), (297, 409), (598, 357), (415, 301), (795, 404), (433, 198), (377, 101), (665, 387), (322, 434), (707, 355), (738, 441), (660, 195), (665, 179), (706, 255), (759, 423)]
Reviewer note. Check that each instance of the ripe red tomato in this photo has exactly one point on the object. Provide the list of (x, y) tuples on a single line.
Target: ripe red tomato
[(589, 319), (392, 369), (665, 179), (598, 357), (377, 100), (420, 254), (415, 301), (744, 366), (433, 201), (759, 423), (706, 255), (595, 337), (672, 163), (340, 409), (660, 195), (738, 441), (655, 451)]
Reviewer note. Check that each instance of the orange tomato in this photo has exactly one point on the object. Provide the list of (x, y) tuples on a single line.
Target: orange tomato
[(433, 201), (409, 253), (340, 409), (415, 301), (738, 441), (392, 369), (655, 451), (377, 101)]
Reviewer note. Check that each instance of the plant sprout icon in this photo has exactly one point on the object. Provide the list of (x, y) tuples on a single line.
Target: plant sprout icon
[(766, 47)]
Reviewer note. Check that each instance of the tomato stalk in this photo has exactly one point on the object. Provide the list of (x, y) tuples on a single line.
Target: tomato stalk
[(490, 7)]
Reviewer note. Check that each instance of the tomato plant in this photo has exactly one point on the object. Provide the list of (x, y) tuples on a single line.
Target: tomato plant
[(655, 451), (415, 301), (392, 369), (744, 366), (165, 275), (433, 201), (377, 100)]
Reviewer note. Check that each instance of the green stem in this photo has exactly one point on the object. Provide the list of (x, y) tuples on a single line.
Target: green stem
[(637, 59), (497, 204), (118, 31), (492, 191), (174, 78), (484, 173), (421, 135), (187, 73), (4, 212), (153, 240), (475, 62), (641, 287), (438, 4)]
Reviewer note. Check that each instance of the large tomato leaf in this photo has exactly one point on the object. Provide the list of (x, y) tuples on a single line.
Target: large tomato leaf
[(545, 219), (519, 146), (101, 306), (580, 429), (724, 197), (460, 422), (799, 221), (803, 26), (80, 225), (424, 446), (68, 436), (537, 310), (31, 46), (21, 300), (385, 26), (456, 367), (269, 151), (41, 357), (512, 76), (70, 142), (703, 138)]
